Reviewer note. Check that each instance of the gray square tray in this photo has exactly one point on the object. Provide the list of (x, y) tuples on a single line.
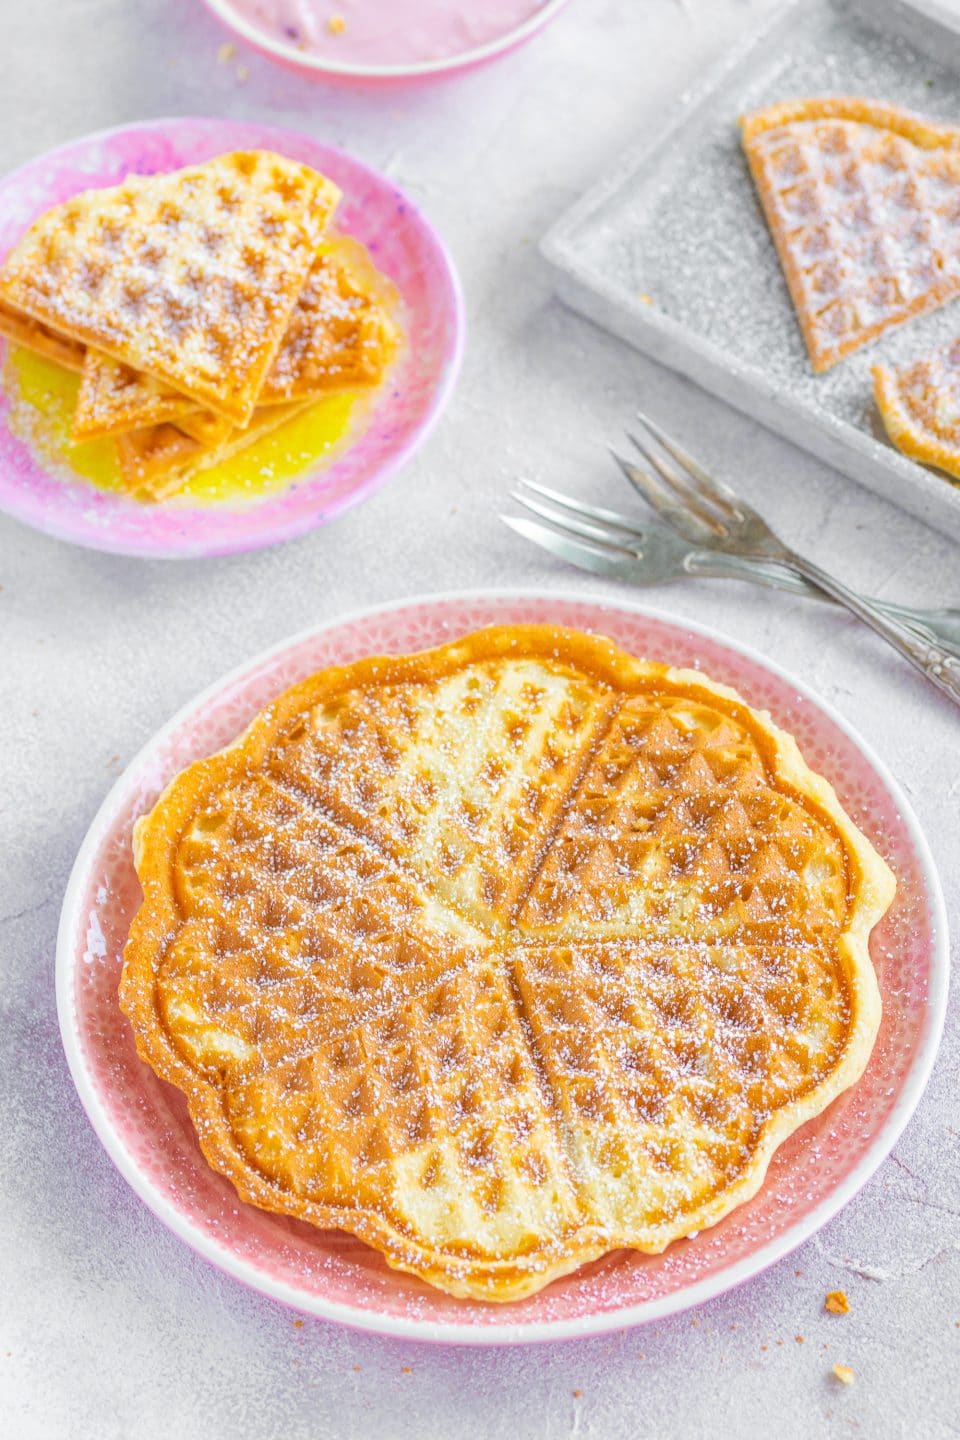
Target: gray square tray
[(671, 250)]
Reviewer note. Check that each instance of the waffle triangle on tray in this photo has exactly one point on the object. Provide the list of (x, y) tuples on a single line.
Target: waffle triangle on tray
[(920, 407), (863, 201), (202, 308)]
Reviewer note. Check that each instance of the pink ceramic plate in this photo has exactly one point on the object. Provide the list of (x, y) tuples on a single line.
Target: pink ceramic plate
[(285, 50), (404, 246), (144, 1124)]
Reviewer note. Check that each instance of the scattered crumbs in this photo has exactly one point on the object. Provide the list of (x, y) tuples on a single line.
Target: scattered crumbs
[(358, 1367), (647, 299), (733, 1324), (798, 1273), (837, 1303), (406, 1369), (642, 1356), (298, 1324), (844, 1374), (336, 24), (799, 1339), (226, 53), (779, 1342), (764, 1347), (577, 1394)]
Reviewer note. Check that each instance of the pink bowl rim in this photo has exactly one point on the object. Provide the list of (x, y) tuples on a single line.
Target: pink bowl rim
[(392, 463), (423, 69), (509, 1333)]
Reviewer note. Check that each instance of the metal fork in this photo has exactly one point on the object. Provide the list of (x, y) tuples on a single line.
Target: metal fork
[(707, 511), (609, 543)]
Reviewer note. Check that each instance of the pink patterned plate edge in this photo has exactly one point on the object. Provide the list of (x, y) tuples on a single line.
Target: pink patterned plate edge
[(144, 1126), (404, 246), (343, 73)]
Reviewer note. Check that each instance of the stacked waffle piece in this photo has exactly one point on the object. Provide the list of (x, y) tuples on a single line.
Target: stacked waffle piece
[(202, 308)]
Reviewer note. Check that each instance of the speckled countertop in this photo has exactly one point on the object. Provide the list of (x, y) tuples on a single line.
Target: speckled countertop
[(110, 1327)]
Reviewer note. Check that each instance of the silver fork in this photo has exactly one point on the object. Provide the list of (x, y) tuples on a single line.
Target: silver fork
[(707, 511), (609, 543)]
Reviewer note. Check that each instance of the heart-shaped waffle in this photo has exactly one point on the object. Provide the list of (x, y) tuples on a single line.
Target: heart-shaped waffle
[(503, 955)]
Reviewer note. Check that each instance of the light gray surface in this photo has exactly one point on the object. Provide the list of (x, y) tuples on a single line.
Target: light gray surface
[(109, 1327)]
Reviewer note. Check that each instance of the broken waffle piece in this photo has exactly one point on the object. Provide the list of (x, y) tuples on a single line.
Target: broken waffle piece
[(190, 277), (920, 407), (863, 202), (837, 1303)]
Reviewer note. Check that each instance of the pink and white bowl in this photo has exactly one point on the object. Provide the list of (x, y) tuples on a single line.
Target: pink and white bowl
[(367, 72), (404, 246), (143, 1122)]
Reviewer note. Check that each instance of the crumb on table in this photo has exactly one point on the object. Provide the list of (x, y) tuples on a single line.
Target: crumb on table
[(844, 1374), (837, 1303)]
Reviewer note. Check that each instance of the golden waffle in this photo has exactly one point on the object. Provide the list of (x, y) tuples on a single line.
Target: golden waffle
[(920, 406), (863, 201), (503, 955), (21, 330), (113, 399), (155, 463), (190, 277), (340, 334)]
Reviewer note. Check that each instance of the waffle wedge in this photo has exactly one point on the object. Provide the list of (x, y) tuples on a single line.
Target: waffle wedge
[(21, 330), (863, 202), (340, 334), (114, 399), (189, 277), (156, 462), (920, 407), (503, 955)]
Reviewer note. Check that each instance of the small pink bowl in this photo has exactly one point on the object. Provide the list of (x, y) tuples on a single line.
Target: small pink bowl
[(323, 69)]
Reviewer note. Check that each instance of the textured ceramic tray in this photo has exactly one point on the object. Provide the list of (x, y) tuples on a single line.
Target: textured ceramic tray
[(671, 250), (146, 1130)]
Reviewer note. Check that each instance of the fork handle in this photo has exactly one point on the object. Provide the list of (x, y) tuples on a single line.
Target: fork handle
[(942, 624), (939, 667)]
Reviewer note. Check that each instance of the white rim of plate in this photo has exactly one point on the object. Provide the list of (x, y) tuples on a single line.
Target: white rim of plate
[(260, 40), (516, 1333)]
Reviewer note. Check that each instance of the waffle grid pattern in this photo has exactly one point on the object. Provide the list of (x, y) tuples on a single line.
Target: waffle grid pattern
[(865, 217), (477, 1071)]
